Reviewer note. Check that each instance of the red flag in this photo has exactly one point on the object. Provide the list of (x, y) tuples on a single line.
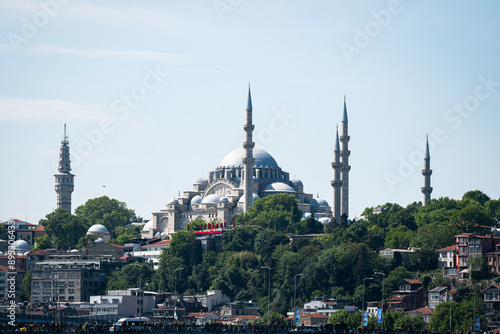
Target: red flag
[(243, 223), (234, 224), (188, 227)]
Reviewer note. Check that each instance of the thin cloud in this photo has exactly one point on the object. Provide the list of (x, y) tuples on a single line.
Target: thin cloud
[(99, 53), (22, 110)]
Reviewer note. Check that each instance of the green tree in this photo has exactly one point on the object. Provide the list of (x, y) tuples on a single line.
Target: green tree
[(472, 218), (277, 212), (274, 318), (185, 246), (352, 319), (424, 260), (86, 241), (25, 294), (45, 242), (477, 196), (106, 211), (124, 234), (134, 275), (308, 226), (64, 227)]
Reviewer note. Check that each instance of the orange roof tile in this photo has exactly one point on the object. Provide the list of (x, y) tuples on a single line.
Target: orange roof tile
[(449, 248)]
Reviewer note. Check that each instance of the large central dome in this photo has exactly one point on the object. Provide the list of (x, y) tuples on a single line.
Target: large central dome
[(235, 159)]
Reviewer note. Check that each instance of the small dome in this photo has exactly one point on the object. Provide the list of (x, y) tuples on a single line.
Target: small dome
[(324, 220), (314, 202), (173, 201), (322, 202), (235, 158), (296, 182), (98, 240), (148, 226), (213, 198), (201, 180), (307, 215), (21, 246), (278, 187), (98, 229), (242, 198), (196, 200), (223, 200), (157, 235), (163, 235)]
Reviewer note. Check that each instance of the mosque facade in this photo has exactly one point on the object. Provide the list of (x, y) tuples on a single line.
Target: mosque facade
[(222, 195)]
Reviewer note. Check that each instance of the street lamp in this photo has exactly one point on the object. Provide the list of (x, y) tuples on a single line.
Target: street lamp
[(382, 315), (175, 279), (363, 303), (268, 291), (294, 293)]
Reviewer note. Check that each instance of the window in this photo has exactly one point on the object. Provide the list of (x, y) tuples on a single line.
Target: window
[(71, 291), (71, 275)]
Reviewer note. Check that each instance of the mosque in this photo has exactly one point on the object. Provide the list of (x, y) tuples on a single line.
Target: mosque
[(227, 192), (223, 194)]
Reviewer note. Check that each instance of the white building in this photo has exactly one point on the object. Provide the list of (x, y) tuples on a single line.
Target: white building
[(213, 298), (124, 303), (446, 257), (152, 252)]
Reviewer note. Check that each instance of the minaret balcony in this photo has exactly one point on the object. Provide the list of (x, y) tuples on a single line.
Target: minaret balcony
[(248, 144), (248, 128), (426, 172), (336, 183), (426, 189), (248, 161)]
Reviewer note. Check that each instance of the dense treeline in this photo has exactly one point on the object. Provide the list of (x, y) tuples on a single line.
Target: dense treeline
[(333, 265)]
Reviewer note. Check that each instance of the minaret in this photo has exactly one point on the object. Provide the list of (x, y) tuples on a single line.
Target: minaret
[(344, 155), (336, 183), (248, 160), (426, 172), (64, 179)]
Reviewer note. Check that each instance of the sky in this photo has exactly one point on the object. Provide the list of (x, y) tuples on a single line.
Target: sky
[(154, 94)]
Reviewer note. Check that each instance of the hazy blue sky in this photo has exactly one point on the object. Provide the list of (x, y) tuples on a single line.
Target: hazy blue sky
[(154, 95)]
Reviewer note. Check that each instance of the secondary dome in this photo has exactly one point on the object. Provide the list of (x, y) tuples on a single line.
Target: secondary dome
[(254, 197), (173, 201), (148, 226), (324, 220), (201, 180), (196, 199), (322, 202), (278, 187), (211, 199), (21, 246), (235, 159), (296, 181), (97, 229)]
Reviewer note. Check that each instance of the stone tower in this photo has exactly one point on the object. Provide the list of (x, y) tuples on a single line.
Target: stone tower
[(426, 172), (344, 155), (336, 183), (64, 179), (248, 160)]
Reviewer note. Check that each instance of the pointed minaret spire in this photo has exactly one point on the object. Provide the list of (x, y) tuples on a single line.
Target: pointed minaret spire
[(336, 183), (64, 179), (248, 160), (344, 116), (344, 155), (426, 172), (249, 100)]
